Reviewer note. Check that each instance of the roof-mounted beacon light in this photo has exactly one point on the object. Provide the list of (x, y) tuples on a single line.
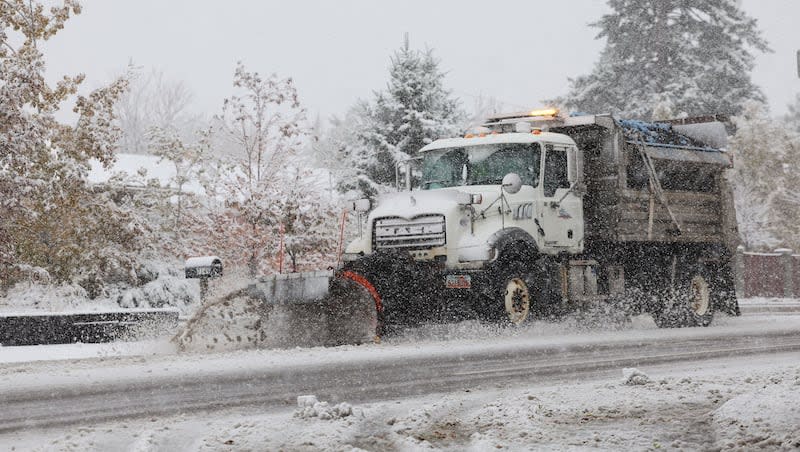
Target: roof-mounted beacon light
[(545, 112)]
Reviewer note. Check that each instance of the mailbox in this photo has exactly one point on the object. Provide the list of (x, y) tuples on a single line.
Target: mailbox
[(203, 267)]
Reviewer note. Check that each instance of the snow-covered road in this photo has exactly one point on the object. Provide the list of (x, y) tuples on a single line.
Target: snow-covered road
[(83, 392)]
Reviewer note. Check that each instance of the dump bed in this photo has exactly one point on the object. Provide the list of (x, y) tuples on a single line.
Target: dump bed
[(649, 182)]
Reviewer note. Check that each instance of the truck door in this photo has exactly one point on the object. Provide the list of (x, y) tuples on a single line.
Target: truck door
[(561, 209)]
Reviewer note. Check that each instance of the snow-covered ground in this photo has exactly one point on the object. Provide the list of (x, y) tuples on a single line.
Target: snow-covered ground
[(71, 352), (728, 404)]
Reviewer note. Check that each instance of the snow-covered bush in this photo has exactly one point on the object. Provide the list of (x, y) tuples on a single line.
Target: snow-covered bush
[(51, 217)]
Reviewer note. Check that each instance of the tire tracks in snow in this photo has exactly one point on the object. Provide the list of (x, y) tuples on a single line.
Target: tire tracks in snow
[(367, 380)]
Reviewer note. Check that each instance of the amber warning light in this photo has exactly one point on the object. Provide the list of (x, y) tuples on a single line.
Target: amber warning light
[(544, 112)]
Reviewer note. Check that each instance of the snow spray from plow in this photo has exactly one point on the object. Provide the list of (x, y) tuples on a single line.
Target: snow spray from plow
[(298, 309)]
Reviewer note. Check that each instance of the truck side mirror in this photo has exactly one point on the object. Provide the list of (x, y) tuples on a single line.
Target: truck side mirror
[(512, 183)]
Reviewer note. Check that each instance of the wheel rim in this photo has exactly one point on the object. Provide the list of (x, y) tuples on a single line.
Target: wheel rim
[(517, 300), (699, 296)]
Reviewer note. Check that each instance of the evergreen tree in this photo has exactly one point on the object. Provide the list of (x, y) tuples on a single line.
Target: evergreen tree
[(414, 110), (341, 150), (693, 56)]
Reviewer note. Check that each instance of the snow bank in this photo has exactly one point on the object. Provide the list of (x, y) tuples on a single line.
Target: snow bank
[(632, 376), (768, 418), (32, 296), (168, 288), (80, 351), (309, 407)]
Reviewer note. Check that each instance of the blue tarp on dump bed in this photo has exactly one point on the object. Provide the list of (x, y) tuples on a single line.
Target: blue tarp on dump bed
[(655, 133), (663, 142)]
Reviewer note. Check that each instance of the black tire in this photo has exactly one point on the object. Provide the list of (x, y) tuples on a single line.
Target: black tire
[(690, 304), (511, 295), (723, 291), (516, 298)]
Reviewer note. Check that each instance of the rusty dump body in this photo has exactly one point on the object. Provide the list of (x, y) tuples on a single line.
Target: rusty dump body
[(622, 206)]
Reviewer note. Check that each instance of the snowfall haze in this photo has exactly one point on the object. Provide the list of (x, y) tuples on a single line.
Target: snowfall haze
[(549, 283), (519, 53)]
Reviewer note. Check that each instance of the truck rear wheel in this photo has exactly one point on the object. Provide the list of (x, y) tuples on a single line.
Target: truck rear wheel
[(692, 303)]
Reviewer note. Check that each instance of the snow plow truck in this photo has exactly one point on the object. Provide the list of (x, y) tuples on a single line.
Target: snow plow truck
[(535, 215)]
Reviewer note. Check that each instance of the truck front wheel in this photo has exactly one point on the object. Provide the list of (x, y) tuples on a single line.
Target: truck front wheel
[(517, 300), (510, 295)]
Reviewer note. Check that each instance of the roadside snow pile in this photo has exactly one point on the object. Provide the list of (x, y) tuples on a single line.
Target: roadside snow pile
[(27, 297), (169, 288), (632, 376), (163, 285), (308, 406), (768, 418)]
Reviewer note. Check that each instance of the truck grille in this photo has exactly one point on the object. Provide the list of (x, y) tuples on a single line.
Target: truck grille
[(398, 233)]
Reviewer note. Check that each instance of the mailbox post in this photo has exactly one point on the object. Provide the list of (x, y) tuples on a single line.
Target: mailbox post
[(203, 268)]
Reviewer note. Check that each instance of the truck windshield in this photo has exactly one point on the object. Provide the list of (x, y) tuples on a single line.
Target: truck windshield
[(480, 165)]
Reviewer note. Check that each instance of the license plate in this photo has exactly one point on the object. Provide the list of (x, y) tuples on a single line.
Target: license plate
[(458, 282)]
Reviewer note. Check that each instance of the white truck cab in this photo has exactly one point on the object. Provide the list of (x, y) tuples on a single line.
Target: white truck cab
[(478, 192)]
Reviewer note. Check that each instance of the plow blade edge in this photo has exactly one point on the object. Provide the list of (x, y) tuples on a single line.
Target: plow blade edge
[(321, 308)]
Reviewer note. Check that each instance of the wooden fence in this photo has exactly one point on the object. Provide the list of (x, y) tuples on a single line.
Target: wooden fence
[(775, 274)]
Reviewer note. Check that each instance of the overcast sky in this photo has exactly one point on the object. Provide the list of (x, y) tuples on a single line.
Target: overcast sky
[(519, 52)]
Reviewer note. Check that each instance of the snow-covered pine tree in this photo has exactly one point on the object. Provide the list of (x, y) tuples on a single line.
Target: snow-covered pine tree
[(695, 56), (787, 204), (50, 219), (414, 110), (341, 150)]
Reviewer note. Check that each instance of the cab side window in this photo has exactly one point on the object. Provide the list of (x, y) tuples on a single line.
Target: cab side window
[(555, 171)]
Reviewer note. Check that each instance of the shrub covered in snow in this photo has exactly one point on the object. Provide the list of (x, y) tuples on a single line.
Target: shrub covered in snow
[(162, 285)]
